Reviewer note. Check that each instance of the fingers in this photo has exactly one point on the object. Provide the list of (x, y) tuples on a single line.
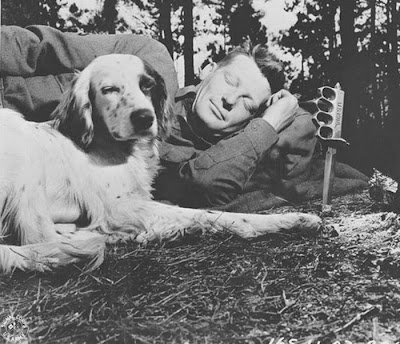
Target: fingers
[(275, 97), (280, 95), (285, 100), (281, 109)]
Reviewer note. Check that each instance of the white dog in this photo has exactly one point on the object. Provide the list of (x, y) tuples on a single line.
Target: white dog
[(70, 185)]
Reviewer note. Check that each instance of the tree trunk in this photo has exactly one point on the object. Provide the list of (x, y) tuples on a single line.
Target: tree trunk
[(349, 82), (188, 45), (374, 72), (165, 25), (109, 15), (330, 29), (393, 66), (393, 124), (373, 125)]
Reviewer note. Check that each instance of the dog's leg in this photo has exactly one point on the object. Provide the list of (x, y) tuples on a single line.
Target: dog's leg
[(45, 245), (87, 247), (165, 222)]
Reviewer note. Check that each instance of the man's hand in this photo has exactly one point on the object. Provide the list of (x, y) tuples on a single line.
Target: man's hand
[(281, 108)]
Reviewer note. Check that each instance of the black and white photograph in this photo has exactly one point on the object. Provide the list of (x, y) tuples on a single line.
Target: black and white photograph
[(200, 171)]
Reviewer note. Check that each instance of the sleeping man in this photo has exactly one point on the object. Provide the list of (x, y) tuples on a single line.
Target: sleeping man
[(240, 142)]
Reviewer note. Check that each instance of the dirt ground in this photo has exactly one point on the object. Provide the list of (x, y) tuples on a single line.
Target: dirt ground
[(341, 287)]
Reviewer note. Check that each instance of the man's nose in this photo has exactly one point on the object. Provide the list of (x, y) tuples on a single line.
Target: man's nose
[(229, 100)]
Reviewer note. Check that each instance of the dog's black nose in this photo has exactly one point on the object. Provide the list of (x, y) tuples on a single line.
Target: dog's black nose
[(142, 119)]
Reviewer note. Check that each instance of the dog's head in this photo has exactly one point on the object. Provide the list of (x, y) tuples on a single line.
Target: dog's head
[(120, 95)]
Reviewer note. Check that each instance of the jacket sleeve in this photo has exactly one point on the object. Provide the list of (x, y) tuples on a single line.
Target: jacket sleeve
[(219, 174)]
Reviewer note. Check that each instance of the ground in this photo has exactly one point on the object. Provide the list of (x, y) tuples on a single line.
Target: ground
[(343, 286)]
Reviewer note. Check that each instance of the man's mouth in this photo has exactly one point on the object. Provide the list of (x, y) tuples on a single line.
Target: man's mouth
[(215, 109)]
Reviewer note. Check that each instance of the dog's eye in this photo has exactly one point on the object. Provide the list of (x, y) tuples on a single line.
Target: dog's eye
[(110, 89), (146, 85)]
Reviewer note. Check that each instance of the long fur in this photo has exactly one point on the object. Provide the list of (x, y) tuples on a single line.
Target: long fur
[(69, 186)]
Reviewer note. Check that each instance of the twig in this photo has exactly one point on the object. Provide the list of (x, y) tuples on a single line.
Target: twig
[(316, 262), (175, 313), (108, 339), (357, 318), (287, 307), (38, 291), (263, 280), (167, 299), (375, 329), (284, 297), (184, 260), (288, 303)]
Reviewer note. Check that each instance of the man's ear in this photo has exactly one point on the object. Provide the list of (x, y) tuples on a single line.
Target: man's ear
[(209, 68)]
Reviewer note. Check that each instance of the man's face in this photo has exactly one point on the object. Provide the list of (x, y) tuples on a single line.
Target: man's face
[(229, 96)]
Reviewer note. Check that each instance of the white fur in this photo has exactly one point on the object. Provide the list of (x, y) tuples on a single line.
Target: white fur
[(70, 185)]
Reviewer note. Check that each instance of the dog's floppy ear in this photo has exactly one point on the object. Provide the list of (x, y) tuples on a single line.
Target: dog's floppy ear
[(73, 116), (161, 102)]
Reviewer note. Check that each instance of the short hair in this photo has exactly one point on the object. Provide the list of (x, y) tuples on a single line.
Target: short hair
[(269, 65)]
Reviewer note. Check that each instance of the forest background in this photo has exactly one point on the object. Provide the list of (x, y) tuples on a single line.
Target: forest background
[(353, 42)]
